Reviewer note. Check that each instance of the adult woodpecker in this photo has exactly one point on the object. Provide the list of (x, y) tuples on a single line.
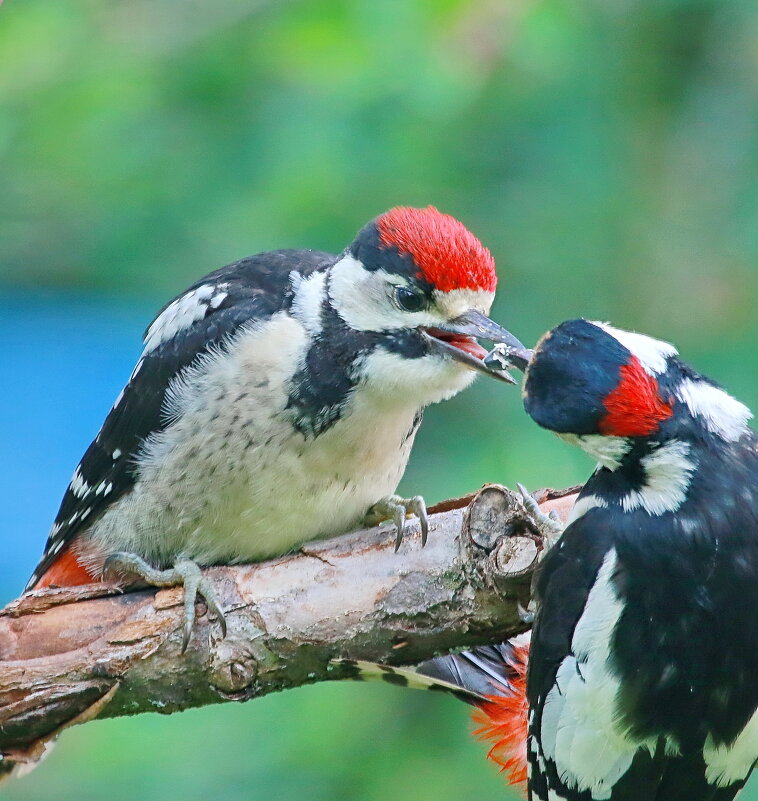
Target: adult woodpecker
[(642, 681), (275, 401)]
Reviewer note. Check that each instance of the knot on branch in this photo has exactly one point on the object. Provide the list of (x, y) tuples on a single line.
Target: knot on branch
[(233, 669)]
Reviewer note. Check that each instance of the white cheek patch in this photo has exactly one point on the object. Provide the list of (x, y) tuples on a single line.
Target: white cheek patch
[(720, 412), (363, 298), (652, 353), (183, 312), (668, 473), (579, 729), (413, 382), (726, 764)]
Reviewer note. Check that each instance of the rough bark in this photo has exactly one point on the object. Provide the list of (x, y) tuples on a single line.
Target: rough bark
[(69, 655)]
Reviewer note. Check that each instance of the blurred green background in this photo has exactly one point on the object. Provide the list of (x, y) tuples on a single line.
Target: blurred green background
[(605, 150)]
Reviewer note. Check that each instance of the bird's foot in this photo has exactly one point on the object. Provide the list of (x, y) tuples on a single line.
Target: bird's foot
[(185, 573), (395, 508), (549, 526), (527, 613)]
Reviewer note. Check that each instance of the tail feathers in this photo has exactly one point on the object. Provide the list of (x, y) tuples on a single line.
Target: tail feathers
[(65, 571), (503, 721), (497, 672), (406, 677)]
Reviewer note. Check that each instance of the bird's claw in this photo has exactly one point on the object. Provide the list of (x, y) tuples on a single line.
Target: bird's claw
[(526, 614), (396, 508), (549, 526), (185, 573)]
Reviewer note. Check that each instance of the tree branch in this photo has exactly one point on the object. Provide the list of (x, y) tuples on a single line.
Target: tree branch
[(69, 655)]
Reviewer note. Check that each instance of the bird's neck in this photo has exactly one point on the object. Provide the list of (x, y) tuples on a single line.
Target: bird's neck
[(652, 475)]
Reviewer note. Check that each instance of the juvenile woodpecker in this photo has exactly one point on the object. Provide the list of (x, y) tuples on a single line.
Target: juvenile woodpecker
[(276, 400), (642, 681)]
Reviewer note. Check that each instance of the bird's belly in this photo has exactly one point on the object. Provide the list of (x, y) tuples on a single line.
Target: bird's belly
[(293, 496), (265, 491)]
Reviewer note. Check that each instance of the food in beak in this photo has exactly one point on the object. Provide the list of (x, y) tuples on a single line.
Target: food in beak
[(506, 357), (458, 340)]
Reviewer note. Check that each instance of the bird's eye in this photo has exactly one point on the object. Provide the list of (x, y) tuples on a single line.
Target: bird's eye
[(408, 299)]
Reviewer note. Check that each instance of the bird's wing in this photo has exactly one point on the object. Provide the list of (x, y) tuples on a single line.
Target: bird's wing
[(577, 750), (201, 318), (555, 680)]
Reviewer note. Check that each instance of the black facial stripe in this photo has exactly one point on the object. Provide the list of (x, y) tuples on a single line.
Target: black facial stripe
[(320, 390), (630, 475), (407, 343)]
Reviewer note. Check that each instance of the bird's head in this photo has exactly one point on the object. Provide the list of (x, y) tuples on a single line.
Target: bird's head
[(603, 388), (420, 284)]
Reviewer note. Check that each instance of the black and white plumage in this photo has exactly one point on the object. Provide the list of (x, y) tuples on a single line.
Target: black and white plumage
[(642, 679), (643, 669), (277, 399), (192, 326)]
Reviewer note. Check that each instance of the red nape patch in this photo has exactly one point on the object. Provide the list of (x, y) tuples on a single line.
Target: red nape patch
[(503, 721), (634, 408), (447, 254), (65, 571)]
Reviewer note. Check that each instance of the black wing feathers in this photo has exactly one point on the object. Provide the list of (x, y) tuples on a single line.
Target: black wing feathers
[(255, 288), (685, 647)]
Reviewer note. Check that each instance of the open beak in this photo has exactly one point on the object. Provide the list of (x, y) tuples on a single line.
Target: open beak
[(458, 340)]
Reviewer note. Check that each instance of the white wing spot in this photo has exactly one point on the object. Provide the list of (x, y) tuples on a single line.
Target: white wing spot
[(116, 454), (78, 485), (137, 368), (580, 730), (308, 302), (183, 312), (218, 299)]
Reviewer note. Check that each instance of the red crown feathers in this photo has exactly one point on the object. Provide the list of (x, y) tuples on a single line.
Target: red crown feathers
[(447, 254)]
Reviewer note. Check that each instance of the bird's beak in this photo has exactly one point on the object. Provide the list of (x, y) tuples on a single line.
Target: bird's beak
[(458, 340), (505, 356)]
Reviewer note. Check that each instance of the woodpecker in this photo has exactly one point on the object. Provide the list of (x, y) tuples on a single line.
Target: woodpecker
[(642, 680), (643, 675), (275, 401)]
